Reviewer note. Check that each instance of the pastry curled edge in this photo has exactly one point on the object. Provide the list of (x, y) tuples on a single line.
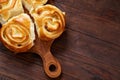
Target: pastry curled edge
[(49, 20), (18, 33), (33, 3), (10, 8)]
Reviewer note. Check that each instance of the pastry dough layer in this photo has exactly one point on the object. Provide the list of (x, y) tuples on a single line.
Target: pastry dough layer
[(49, 20), (18, 33), (10, 8), (33, 3)]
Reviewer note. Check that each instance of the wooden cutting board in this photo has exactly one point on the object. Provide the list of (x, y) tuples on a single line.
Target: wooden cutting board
[(89, 49)]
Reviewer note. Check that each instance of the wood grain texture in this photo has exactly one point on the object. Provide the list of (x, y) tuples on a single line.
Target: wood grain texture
[(89, 49)]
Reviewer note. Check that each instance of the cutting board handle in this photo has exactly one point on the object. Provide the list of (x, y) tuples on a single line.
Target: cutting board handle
[(51, 65)]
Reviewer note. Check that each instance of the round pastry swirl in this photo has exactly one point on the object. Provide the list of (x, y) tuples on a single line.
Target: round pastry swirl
[(17, 34), (49, 21)]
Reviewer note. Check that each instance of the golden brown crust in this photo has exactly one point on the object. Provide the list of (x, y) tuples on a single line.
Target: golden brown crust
[(3, 1), (33, 3), (16, 34), (49, 21), (38, 2), (10, 8)]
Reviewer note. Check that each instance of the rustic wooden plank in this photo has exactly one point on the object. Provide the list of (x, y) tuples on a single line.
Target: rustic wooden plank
[(77, 60), (89, 49), (106, 9), (104, 55), (78, 69), (19, 69), (4, 77), (90, 67), (99, 19), (88, 46), (74, 67)]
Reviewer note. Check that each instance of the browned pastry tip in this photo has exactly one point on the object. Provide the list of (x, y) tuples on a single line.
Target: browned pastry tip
[(33, 3), (3, 1), (10, 8)]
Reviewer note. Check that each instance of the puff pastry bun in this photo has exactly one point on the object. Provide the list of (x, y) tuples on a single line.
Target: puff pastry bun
[(9, 8), (33, 3), (49, 20), (18, 33)]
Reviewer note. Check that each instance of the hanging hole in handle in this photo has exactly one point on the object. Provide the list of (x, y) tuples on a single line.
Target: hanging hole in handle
[(52, 68)]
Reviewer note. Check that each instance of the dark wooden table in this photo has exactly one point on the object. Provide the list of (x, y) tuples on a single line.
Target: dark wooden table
[(89, 49)]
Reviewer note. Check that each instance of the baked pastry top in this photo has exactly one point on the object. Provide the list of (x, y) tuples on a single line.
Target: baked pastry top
[(18, 33), (19, 19), (33, 3), (10, 8), (49, 21)]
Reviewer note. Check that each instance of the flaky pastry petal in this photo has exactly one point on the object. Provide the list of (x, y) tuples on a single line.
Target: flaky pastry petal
[(18, 33), (49, 20), (10, 8)]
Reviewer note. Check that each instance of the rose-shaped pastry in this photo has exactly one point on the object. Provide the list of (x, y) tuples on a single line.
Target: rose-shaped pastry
[(33, 3), (49, 21), (18, 33), (9, 8)]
